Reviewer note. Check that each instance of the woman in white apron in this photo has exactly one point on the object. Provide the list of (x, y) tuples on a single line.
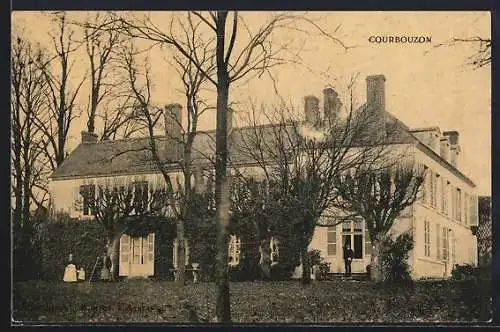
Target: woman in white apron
[(70, 272)]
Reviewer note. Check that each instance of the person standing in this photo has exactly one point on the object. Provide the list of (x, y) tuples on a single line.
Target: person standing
[(348, 256), (70, 274), (105, 273)]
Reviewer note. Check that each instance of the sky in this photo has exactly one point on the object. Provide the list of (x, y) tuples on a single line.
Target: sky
[(425, 86)]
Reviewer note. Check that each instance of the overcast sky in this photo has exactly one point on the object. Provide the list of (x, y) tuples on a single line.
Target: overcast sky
[(425, 86)]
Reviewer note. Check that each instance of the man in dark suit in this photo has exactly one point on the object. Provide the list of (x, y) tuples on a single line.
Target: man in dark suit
[(348, 256)]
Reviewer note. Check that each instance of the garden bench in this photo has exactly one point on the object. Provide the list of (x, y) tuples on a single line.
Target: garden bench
[(195, 269)]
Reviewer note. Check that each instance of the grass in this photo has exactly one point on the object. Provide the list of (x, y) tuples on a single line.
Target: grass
[(251, 302)]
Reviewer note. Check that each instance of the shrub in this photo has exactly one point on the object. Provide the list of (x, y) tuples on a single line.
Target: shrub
[(323, 270), (394, 257), (464, 272), (322, 267), (63, 235), (315, 257), (86, 240)]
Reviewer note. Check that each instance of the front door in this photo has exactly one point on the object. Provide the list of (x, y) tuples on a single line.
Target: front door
[(137, 256), (354, 234)]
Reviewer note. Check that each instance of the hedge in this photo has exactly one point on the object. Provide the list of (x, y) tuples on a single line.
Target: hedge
[(84, 239)]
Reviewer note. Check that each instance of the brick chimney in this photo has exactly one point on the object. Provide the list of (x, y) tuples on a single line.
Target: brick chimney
[(173, 131), (375, 92), (375, 103), (311, 110), (331, 106), (89, 137), (454, 147)]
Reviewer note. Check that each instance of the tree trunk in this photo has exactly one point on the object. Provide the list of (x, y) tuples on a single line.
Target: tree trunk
[(181, 248), (181, 254), (113, 251), (265, 260), (306, 266), (222, 308), (376, 263)]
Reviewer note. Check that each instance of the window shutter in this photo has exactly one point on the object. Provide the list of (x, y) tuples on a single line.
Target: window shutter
[(151, 247), (124, 248), (444, 240), (466, 208), (438, 242), (473, 206), (427, 187), (332, 241), (368, 243)]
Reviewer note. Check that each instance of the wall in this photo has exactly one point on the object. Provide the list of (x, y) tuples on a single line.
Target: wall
[(465, 242), (66, 197), (413, 218)]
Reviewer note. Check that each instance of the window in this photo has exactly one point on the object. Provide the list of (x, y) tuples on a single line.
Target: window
[(446, 191), (137, 251), (427, 239), (433, 189), (445, 243), (458, 204), (234, 250), (438, 192), (453, 202), (88, 194), (438, 241), (352, 234), (453, 246), (332, 241), (141, 196), (425, 186), (466, 210)]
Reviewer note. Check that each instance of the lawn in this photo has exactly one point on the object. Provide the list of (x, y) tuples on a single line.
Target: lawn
[(251, 302)]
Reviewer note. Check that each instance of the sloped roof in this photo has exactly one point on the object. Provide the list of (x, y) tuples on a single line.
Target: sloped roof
[(132, 155)]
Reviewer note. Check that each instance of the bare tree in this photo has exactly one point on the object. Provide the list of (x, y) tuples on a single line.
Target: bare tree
[(379, 196), (480, 58), (180, 141), (110, 100), (55, 122), (302, 159), (29, 169), (99, 47), (118, 207), (239, 52)]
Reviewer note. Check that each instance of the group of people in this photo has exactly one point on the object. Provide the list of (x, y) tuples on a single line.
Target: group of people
[(74, 272)]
